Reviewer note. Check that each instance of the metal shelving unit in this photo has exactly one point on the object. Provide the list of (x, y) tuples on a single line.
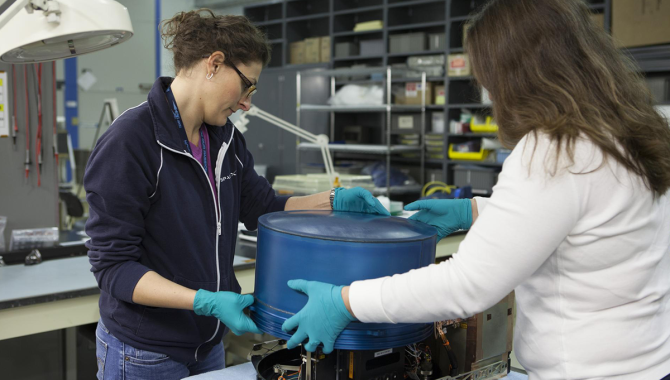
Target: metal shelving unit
[(326, 108), (415, 26), (398, 16), (358, 58), (387, 149), (363, 148), (358, 10)]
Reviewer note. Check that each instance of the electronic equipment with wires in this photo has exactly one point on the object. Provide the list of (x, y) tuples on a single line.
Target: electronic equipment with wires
[(340, 248), (475, 348)]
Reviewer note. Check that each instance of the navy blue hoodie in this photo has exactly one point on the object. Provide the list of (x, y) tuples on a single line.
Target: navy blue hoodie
[(152, 208)]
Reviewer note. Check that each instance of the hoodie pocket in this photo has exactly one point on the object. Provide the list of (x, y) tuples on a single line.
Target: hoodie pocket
[(175, 325)]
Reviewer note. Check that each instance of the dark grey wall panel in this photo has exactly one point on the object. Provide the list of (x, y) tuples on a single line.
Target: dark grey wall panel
[(25, 204), (271, 145)]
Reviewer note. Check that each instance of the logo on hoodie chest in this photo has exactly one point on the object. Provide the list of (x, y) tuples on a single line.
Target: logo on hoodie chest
[(229, 176)]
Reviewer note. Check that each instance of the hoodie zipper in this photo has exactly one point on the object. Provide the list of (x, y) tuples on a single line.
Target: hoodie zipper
[(217, 175), (217, 212)]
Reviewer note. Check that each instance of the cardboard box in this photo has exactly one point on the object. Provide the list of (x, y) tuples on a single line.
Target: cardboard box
[(641, 22), (413, 94), (439, 95), (325, 49), (312, 50), (458, 65), (298, 53)]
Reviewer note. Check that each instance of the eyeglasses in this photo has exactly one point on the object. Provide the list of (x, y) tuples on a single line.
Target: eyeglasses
[(249, 88)]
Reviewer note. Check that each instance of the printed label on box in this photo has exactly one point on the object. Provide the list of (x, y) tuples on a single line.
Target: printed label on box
[(457, 63), (406, 122), (410, 90)]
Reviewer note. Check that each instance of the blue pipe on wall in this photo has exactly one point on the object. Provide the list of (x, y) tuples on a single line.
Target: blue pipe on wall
[(71, 104)]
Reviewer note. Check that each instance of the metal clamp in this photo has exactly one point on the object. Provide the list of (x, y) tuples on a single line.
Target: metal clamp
[(34, 257)]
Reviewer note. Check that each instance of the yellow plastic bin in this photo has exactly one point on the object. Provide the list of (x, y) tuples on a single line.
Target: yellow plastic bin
[(488, 127), (470, 156)]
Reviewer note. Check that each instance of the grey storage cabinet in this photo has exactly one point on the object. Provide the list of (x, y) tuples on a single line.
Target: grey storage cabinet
[(372, 47), (407, 42), (437, 41), (481, 179), (345, 49)]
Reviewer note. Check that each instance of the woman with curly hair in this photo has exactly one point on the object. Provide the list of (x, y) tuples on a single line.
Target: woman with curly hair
[(167, 185)]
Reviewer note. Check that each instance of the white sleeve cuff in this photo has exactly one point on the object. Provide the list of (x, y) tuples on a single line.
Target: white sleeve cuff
[(365, 299), (481, 204)]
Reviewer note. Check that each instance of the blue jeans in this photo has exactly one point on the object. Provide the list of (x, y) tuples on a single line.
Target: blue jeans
[(117, 360)]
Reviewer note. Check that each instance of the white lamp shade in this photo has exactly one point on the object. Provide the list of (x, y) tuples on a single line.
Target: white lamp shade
[(85, 26)]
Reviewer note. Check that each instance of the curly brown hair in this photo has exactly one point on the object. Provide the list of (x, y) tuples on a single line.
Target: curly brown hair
[(190, 35), (550, 68)]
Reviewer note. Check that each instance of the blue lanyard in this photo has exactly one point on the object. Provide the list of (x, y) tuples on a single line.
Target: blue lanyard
[(182, 131)]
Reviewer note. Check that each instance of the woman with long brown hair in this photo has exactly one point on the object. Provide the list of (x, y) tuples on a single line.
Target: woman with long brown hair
[(578, 224)]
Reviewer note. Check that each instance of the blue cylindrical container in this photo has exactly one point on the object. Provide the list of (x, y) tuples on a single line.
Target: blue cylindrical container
[(337, 248)]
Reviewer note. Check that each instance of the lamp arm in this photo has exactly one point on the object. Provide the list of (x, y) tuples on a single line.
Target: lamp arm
[(8, 12), (281, 123), (321, 140)]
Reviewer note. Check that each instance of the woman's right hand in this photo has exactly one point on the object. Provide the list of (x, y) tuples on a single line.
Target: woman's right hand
[(447, 215), (228, 307)]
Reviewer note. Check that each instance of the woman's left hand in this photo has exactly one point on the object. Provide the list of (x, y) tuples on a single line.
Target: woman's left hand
[(358, 200), (447, 215), (322, 319)]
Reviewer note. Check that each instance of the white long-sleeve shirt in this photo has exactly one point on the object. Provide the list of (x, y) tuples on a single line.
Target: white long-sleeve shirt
[(587, 254)]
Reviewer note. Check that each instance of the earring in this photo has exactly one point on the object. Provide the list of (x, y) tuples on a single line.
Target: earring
[(209, 76)]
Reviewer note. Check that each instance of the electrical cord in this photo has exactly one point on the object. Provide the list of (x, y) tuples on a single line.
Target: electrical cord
[(25, 85), (38, 139), (433, 187), (55, 104), (15, 126), (54, 143), (453, 363)]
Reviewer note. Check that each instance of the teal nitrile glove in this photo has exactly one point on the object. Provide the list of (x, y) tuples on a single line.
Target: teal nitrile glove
[(358, 200), (322, 319), (228, 307), (447, 215)]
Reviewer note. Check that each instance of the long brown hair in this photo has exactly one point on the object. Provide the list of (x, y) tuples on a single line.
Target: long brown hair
[(190, 35), (550, 68)]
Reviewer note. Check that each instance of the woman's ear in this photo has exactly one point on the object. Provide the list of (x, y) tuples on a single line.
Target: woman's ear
[(217, 59)]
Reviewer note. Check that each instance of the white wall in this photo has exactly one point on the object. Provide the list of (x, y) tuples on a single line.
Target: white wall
[(119, 70), (122, 69), (168, 9)]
